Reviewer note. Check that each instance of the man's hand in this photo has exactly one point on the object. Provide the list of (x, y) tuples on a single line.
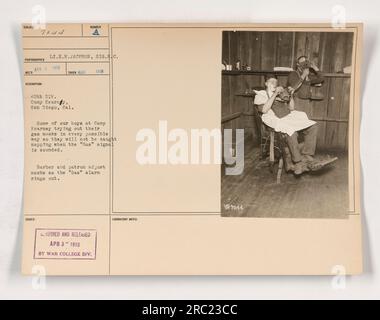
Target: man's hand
[(278, 90), (268, 105), (314, 66), (305, 73), (291, 102)]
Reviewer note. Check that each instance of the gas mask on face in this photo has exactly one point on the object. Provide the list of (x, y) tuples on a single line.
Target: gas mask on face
[(305, 64), (284, 95)]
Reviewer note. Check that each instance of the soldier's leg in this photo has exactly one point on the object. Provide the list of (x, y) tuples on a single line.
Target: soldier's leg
[(310, 141), (294, 147)]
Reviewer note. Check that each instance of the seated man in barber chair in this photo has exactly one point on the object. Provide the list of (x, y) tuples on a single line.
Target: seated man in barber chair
[(278, 112)]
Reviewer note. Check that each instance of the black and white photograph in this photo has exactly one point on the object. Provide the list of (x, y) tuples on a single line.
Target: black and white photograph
[(290, 93)]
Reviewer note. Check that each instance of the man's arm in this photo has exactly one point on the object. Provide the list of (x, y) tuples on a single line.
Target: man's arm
[(295, 81), (291, 103), (267, 105), (316, 77), (264, 104)]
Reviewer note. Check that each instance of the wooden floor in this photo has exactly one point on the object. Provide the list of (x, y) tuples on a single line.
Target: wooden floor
[(255, 193)]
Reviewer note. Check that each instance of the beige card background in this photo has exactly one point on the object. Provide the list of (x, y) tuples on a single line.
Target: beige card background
[(175, 78), (165, 219)]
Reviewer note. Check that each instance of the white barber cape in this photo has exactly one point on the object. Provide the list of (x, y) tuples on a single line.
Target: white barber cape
[(294, 121)]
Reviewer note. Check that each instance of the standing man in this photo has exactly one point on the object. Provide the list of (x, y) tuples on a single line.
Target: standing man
[(301, 81)]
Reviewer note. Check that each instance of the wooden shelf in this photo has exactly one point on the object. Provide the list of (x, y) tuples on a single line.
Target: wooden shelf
[(230, 117), (279, 73)]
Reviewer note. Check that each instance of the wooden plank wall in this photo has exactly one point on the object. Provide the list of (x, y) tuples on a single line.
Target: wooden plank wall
[(331, 51)]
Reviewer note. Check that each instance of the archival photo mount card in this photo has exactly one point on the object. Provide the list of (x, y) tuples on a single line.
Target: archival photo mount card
[(192, 149)]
